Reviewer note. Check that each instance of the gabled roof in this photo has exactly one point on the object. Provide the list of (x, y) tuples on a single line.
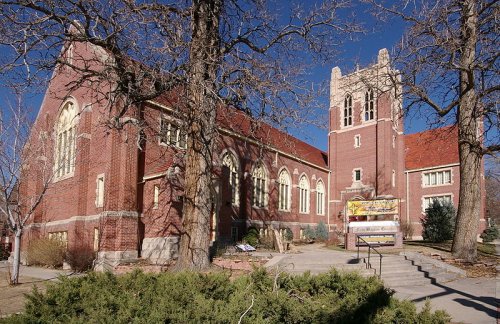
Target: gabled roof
[(242, 124), (431, 148)]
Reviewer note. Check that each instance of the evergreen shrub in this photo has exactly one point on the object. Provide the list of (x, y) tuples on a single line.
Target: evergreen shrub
[(439, 222), (288, 235), (321, 232), (490, 234), (190, 297), (309, 233), (252, 236)]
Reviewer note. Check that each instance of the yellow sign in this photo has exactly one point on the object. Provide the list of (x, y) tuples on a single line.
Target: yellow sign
[(372, 207)]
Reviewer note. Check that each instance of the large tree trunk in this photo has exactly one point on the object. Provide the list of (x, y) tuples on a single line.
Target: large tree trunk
[(204, 61), (14, 276), (469, 146)]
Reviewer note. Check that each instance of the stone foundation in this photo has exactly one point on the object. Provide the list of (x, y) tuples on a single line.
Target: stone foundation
[(160, 250), (108, 260)]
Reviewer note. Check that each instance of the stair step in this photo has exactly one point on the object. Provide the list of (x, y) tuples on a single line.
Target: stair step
[(406, 282)]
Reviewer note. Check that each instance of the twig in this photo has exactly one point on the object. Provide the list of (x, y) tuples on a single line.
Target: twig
[(248, 309)]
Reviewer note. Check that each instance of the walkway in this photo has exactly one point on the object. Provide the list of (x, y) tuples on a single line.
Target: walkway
[(467, 300)]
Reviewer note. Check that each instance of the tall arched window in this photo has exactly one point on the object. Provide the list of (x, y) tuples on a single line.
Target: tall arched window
[(320, 198), (66, 134), (348, 110), (259, 186), (284, 191), (229, 161), (369, 108), (303, 194)]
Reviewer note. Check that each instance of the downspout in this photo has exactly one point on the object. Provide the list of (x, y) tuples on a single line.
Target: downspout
[(407, 199)]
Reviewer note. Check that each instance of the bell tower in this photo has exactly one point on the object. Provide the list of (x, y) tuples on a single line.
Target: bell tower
[(365, 138)]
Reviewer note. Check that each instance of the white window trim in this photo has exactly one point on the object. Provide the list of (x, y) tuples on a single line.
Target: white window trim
[(307, 200), (237, 177), (436, 171), (422, 205), (265, 189), (363, 111), (171, 121), (357, 141), (322, 211), (342, 113), (156, 196), (99, 200), (289, 191), (58, 175), (360, 175)]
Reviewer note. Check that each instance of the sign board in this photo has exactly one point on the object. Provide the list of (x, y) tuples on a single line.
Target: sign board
[(372, 207), (382, 239), (373, 227)]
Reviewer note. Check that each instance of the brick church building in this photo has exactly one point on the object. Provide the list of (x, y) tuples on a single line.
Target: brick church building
[(124, 198)]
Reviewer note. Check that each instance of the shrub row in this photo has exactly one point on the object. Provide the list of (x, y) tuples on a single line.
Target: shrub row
[(188, 297), (52, 253)]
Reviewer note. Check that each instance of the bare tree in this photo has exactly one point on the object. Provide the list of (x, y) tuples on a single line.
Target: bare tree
[(492, 184), (21, 153), (214, 53), (449, 62)]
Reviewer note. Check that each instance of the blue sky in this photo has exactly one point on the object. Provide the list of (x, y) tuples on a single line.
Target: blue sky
[(362, 51)]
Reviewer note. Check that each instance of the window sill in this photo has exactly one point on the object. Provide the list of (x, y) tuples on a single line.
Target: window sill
[(64, 177)]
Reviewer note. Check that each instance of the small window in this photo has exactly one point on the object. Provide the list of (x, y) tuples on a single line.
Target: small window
[(172, 134), (156, 196), (348, 111), (357, 175), (96, 239), (393, 178), (99, 193), (357, 141)]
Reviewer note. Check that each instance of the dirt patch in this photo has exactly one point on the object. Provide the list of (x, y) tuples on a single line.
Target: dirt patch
[(485, 265), (12, 297)]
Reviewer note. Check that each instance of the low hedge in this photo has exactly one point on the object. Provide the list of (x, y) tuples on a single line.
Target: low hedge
[(189, 297)]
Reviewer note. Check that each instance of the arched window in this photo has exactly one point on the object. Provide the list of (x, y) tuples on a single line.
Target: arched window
[(65, 138), (284, 190), (348, 110), (369, 108), (229, 161), (259, 186), (320, 198), (303, 194)]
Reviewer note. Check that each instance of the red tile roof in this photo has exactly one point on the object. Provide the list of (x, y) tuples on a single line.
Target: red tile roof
[(431, 148), (240, 123)]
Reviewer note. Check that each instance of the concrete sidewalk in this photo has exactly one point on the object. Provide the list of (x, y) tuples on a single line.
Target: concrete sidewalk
[(467, 300), (35, 272)]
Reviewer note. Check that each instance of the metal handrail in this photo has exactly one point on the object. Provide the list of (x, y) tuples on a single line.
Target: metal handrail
[(368, 264)]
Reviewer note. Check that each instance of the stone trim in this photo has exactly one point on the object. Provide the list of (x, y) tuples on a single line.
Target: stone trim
[(90, 218)]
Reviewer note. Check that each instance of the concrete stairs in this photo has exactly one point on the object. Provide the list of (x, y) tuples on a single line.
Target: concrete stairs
[(405, 271), (397, 270)]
